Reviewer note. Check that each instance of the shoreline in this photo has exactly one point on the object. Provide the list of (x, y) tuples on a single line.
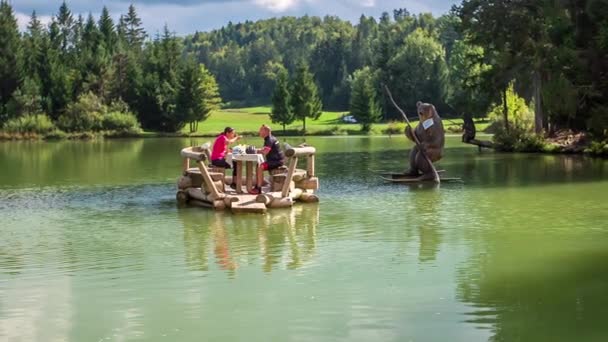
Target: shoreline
[(552, 146)]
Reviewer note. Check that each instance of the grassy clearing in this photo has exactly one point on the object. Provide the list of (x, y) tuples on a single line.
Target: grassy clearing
[(248, 120)]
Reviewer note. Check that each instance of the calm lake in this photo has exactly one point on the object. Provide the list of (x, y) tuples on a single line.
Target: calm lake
[(94, 248)]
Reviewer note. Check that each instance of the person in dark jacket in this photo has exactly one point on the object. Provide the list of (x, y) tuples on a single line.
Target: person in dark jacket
[(274, 157)]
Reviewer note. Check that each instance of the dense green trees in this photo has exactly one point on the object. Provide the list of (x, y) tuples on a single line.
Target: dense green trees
[(552, 50), (10, 57), (76, 70), (334, 49), (418, 71), (464, 62)]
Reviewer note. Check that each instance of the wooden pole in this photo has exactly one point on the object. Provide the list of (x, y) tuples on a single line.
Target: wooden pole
[(249, 175), (407, 121), (208, 181), (300, 151), (239, 176), (292, 167), (310, 166)]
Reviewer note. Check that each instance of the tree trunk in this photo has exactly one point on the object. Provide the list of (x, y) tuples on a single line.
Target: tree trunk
[(538, 104), (284, 133), (304, 129), (505, 109)]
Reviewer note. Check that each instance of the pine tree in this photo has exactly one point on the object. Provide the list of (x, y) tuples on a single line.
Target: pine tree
[(134, 33), (10, 51), (160, 84), (170, 55), (91, 36), (130, 87), (93, 64), (77, 34), (65, 25), (281, 108), (363, 102), (33, 54), (188, 105), (61, 87), (383, 50), (198, 94), (106, 29), (210, 95), (305, 99), (121, 33)]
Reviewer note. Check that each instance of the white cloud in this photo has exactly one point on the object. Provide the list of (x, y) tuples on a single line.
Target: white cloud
[(368, 3), (24, 19), (276, 5), (283, 5)]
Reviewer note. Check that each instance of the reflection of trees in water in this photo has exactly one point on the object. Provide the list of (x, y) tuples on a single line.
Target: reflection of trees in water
[(281, 237), (79, 161), (537, 289), (508, 169)]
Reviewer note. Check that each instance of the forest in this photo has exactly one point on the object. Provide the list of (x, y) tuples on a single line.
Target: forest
[(533, 67)]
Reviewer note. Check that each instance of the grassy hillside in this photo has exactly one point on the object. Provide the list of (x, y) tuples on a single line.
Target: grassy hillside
[(248, 120)]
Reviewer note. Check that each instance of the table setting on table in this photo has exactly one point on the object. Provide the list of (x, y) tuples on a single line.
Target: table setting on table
[(240, 154)]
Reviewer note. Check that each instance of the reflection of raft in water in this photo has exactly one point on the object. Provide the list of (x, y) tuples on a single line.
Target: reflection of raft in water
[(206, 186)]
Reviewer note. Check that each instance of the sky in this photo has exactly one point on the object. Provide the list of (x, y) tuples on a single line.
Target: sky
[(187, 16)]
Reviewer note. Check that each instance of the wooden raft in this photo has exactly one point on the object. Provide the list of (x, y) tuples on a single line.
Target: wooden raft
[(206, 186)]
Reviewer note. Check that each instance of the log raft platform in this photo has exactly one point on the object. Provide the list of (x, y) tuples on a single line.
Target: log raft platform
[(207, 186)]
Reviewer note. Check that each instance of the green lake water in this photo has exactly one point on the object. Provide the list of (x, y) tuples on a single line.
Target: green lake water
[(94, 248)]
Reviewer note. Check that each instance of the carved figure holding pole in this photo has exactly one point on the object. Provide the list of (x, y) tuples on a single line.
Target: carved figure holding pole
[(429, 137)]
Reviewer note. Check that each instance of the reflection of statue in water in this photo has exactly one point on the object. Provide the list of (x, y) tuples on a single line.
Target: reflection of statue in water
[(280, 236), (427, 220)]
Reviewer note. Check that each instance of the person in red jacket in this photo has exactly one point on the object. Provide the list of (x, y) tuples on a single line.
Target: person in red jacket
[(220, 148)]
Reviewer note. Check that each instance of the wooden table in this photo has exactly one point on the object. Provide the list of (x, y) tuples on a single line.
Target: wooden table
[(250, 160)]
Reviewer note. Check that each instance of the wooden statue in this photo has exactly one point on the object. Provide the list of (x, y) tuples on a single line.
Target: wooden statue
[(431, 135)]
